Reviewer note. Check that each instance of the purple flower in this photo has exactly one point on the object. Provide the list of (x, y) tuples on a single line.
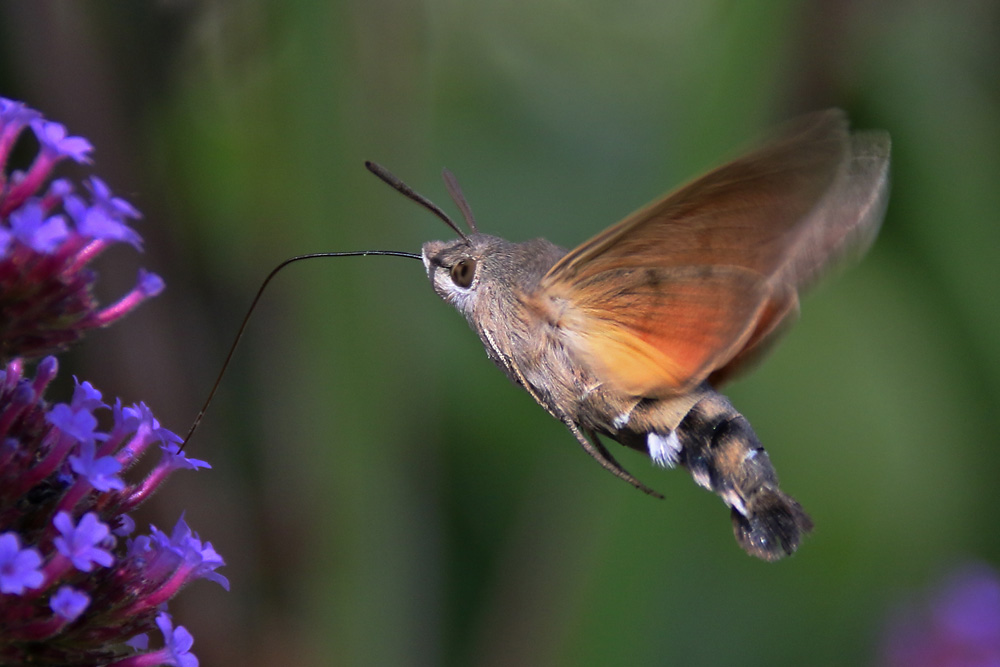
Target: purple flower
[(139, 420), (19, 568), (115, 207), (30, 225), (54, 142), (126, 526), (81, 425), (81, 543), (69, 603), (178, 642), (958, 626), (968, 608), (85, 397), (14, 112), (59, 189), (201, 558), (100, 471), (149, 284), (176, 651), (14, 117), (106, 219), (175, 459), (172, 459)]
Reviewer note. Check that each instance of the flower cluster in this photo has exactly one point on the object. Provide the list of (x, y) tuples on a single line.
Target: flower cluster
[(48, 238), (78, 586), (958, 626)]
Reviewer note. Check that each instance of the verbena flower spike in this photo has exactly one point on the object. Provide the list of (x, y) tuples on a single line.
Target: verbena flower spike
[(77, 587), (47, 239)]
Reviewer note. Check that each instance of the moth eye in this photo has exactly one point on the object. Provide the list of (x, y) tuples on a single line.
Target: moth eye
[(463, 272)]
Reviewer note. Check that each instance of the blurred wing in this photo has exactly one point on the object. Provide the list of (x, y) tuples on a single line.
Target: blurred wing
[(699, 283)]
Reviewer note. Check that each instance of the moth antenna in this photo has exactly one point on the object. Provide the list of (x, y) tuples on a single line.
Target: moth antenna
[(455, 190), (253, 306), (407, 191)]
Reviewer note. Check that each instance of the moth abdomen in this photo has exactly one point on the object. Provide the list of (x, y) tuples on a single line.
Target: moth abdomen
[(772, 525), (723, 454)]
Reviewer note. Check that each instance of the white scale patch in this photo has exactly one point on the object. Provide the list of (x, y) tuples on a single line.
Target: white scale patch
[(665, 450), (702, 479), (621, 420), (733, 500)]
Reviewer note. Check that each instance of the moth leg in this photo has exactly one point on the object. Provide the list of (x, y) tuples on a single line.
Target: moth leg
[(590, 442), (593, 446)]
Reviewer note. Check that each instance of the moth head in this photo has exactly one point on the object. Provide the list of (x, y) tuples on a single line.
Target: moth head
[(477, 273), (484, 276), (457, 269)]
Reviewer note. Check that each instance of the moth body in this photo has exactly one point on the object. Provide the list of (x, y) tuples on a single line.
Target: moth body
[(699, 429), (629, 335)]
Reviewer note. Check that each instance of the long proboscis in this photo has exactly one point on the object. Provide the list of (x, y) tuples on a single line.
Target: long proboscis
[(253, 306)]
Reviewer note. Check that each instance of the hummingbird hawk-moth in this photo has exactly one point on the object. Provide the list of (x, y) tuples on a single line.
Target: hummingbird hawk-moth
[(631, 334)]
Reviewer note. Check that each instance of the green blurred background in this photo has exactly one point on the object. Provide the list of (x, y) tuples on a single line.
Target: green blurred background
[(382, 494)]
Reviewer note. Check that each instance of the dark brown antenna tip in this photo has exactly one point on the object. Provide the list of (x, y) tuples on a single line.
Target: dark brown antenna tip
[(455, 191), (409, 193)]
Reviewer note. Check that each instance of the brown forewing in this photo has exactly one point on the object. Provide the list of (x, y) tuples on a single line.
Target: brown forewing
[(698, 282)]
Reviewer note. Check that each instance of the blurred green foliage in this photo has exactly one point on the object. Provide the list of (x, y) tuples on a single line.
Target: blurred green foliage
[(382, 494)]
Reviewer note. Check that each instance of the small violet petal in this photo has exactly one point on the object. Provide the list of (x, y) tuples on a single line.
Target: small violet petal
[(100, 472), (175, 459), (80, 543), (126, 526), (149, 283), (80, 425), (55, 143), (16, 113), (115, 206), (19, 568), (69, 603), (85, 396), (177, 641), (32, 228)]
